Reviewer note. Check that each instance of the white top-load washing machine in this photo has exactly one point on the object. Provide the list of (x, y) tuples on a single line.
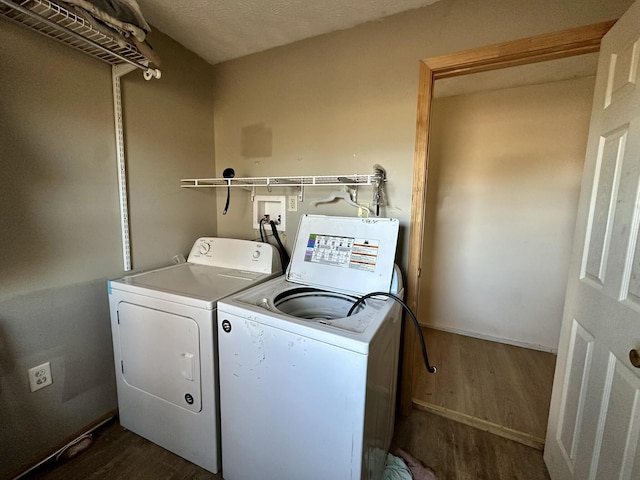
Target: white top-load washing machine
[(305, 391), (164, 341)]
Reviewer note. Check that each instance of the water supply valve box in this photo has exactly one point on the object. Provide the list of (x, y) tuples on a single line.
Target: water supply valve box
[(272, 207)]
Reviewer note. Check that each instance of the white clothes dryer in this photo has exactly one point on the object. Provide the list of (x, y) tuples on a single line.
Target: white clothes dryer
[(164, 343), (306, 392)]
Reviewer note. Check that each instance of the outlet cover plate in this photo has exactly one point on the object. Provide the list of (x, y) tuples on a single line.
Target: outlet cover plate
[(40, 376), (292, 203)]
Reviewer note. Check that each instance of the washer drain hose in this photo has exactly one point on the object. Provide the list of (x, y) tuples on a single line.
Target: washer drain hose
[(425, 357)]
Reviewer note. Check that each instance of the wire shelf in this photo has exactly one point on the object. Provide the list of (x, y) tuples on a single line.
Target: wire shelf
[(299, 181), (58, 23)]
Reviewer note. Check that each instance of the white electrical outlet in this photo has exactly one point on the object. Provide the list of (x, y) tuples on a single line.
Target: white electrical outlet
[(292, 203), (40, 376)]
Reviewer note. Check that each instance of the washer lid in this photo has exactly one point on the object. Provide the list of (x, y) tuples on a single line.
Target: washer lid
[(346, 254)]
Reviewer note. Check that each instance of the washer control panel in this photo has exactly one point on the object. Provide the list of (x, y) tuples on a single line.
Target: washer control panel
[(347, 254)]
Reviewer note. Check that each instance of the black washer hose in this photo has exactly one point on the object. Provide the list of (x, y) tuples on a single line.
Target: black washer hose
[(284, 256), (261, 226), (430, 369), (228, 173)]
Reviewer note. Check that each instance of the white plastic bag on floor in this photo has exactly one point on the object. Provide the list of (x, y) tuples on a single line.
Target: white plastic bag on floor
[(396, 469), (406, 467)]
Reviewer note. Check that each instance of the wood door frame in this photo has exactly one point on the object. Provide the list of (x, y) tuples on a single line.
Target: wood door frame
[(566, 43)]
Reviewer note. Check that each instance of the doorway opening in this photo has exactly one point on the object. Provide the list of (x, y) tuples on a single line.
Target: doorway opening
[(538, 49)]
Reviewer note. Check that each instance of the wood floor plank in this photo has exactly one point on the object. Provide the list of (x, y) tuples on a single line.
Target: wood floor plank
[(494, 382), (459, 452), (118, 454)]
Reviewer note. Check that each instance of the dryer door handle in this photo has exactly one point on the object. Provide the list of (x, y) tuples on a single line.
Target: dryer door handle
[(188, 366)]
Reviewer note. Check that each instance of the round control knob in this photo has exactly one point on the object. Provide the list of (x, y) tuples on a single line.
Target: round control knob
[(204, 248), (256, 254)]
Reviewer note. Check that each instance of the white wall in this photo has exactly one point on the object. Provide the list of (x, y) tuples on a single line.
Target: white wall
[(503, 186), (59, 220), (341, 102)]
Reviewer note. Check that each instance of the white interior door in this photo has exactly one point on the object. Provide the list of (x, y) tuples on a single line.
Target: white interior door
[(594, 421)]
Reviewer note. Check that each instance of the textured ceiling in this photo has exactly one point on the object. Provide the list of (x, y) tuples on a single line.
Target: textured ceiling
[(219, 30)]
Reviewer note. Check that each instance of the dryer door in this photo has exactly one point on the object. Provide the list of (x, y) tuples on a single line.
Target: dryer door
[(160, 354)]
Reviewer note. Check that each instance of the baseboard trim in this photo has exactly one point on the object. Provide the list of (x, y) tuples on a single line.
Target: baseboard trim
[(479, 423), (491, 338)]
